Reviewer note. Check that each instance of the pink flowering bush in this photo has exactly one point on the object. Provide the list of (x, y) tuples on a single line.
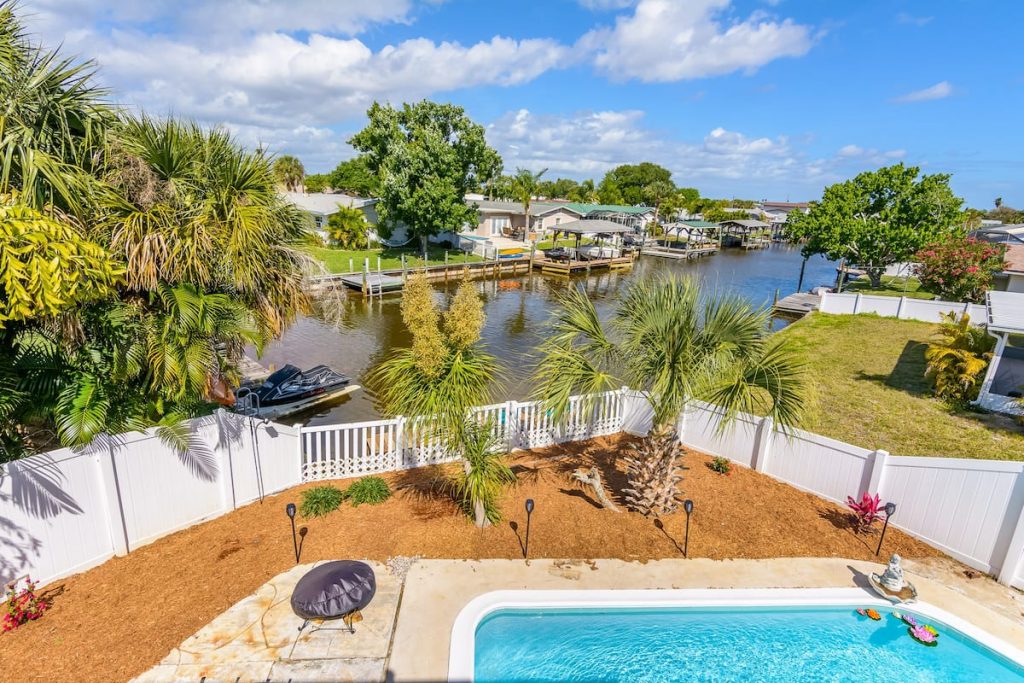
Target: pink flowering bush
[(866, 511), (22, 606), (959, 269)]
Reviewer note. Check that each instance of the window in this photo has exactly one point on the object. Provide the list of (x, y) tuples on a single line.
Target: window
[(498, 223)]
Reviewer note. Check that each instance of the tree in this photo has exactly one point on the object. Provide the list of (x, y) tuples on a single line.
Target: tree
[(584, 193), (560, 188), (608, 192), (656, 193), (347, 228), (959, 269), (879, 218), (631, 179), (316, 182), (999, 202), (957, 359), (524, 185), (289, 172), (427, 156), (354, 176), (443, 374), (664, 341)]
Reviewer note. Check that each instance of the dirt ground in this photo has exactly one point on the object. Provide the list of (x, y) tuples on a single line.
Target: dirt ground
[(119, 619)]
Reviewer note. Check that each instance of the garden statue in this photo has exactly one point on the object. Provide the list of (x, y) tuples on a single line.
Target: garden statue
[(891, 585)]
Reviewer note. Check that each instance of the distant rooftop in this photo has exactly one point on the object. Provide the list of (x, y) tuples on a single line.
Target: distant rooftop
[(1005, 312), (785, 205), (1015, 259), (697, 224), (594, 226), (325, 203), (748, 223)]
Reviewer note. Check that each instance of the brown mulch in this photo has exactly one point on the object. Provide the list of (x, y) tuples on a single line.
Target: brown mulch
[(119, 619)]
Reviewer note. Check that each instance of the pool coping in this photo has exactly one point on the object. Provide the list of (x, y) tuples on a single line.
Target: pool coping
[(461, 662)]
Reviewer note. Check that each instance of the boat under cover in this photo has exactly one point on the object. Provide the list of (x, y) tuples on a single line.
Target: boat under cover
[(290, 389)]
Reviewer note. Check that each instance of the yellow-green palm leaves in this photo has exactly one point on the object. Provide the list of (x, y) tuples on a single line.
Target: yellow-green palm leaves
[(958, 358), (667, 341)]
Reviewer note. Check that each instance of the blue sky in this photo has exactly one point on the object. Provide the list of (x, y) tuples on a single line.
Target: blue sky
[(748, 98)]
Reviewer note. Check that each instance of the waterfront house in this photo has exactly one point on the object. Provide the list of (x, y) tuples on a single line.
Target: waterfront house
[(777, 213), (508, 219), (1003, 386), (318, 206)]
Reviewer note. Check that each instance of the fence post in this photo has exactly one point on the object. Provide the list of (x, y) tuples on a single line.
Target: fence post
[(899, 309), (299, 453), (856, 304), (823, 304), (765, 430), (681, 423), (110, 492), (226, 475), (511, 425), (879, 461), (400, 445), (1014, 552)]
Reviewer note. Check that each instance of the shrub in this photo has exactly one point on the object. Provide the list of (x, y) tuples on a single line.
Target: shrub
[(867, 511), (721, 465), (369, 490), (959, 269), (958, 358), (319, 500), (22, 606)]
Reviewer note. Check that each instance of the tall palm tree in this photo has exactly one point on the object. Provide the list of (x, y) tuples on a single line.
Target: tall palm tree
[(524, 186), (440, 378), (290, 172), (52, 121), (674, 347)]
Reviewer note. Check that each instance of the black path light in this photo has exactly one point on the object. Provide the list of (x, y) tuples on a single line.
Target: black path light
[(890, 510), (688, 506), (529, 513), (290, 510)]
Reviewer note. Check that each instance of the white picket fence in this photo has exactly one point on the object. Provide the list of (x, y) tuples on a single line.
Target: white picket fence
[(347, 450), (971, 509), (899, 307)]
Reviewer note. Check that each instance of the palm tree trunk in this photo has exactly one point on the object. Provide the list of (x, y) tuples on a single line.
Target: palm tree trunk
[(480, 514)]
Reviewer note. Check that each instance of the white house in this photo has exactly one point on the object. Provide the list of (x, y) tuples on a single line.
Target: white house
[(1004, 381), (320, 205), (778, 212)]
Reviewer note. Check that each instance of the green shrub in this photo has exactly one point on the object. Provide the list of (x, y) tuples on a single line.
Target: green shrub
[(721, 465), (369, 490), (319, 500)]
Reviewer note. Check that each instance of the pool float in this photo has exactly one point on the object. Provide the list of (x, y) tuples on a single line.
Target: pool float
[(870, 614), (926, 635)]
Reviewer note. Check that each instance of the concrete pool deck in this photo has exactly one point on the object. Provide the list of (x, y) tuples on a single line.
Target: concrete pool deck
[(406, 631)]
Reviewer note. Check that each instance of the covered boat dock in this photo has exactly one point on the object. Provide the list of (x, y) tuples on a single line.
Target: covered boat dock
[(584, 258)]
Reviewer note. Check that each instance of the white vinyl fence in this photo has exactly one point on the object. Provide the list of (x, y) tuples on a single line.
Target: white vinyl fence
[(899, 307), (65, 511), (971, 509)]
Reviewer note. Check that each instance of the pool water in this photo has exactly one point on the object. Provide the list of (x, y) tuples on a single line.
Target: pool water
[(723, 644)]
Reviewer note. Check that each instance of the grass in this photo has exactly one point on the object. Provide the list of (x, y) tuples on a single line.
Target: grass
[(891, 286), (869, 390), (321, 500), (338, 260)]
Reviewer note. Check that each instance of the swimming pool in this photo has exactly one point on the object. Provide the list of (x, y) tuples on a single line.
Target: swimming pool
[(780, 635)]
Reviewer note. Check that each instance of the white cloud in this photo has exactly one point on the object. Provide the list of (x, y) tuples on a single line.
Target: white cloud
[(668, 40), (912, 20), (607, 4), (938, 91), (722, 163)]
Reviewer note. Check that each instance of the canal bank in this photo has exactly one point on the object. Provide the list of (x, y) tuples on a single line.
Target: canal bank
[(357, 337)]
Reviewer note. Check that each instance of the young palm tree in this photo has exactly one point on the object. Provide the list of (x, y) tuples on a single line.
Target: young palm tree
[(484, 475), (347, 228), (957, 359), (290, 172), (441, 377), (674, 347), (525, 184)]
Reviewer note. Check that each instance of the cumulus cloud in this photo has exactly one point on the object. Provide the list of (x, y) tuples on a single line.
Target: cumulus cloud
[(666, 40), (938, 91), (722, 162)]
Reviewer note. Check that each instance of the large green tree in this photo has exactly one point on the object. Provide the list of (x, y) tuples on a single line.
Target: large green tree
[(355, 177), (633, 179), (426, 156), (879, 218)]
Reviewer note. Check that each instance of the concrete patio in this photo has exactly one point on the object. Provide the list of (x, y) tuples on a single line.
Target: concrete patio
[(405, 634)]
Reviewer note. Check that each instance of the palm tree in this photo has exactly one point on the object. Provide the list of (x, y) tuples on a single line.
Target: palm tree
[(524, 188), (347, 228), (440, 378), (664, 341), (656, 193), (484, 475), (958, 358), (52, 121), (290, 172)]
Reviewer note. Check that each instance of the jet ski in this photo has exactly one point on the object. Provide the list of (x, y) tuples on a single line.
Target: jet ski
[(290, 390)]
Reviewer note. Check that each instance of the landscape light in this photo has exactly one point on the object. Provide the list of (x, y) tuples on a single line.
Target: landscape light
[(688, 507), (890, 510), (290, 511), (529, 513)]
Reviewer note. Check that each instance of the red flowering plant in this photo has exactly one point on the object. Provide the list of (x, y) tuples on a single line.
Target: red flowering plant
[(22, 606), (959, 269), (866, 511)]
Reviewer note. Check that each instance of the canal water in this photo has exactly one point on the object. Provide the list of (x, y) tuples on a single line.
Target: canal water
[(360, 335)]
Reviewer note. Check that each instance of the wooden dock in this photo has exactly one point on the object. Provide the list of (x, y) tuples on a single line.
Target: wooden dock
[(572, 267), (681, 254), (800, 304), (373, 283)]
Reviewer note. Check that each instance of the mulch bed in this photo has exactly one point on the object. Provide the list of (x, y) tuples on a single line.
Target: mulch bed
[(119, 619)]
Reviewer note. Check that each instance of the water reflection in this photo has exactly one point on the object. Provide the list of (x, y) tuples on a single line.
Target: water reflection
[(517, 310)]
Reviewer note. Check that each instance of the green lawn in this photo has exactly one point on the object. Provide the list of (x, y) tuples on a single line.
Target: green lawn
[(891, 286), (344, 261), (869, 390)]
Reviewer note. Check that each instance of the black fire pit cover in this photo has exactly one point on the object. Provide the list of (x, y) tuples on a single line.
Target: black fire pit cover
[(334, 589)]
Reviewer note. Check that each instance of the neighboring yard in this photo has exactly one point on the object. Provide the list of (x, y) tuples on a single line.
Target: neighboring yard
[(870, 391), (891, 286), (337, 260)]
